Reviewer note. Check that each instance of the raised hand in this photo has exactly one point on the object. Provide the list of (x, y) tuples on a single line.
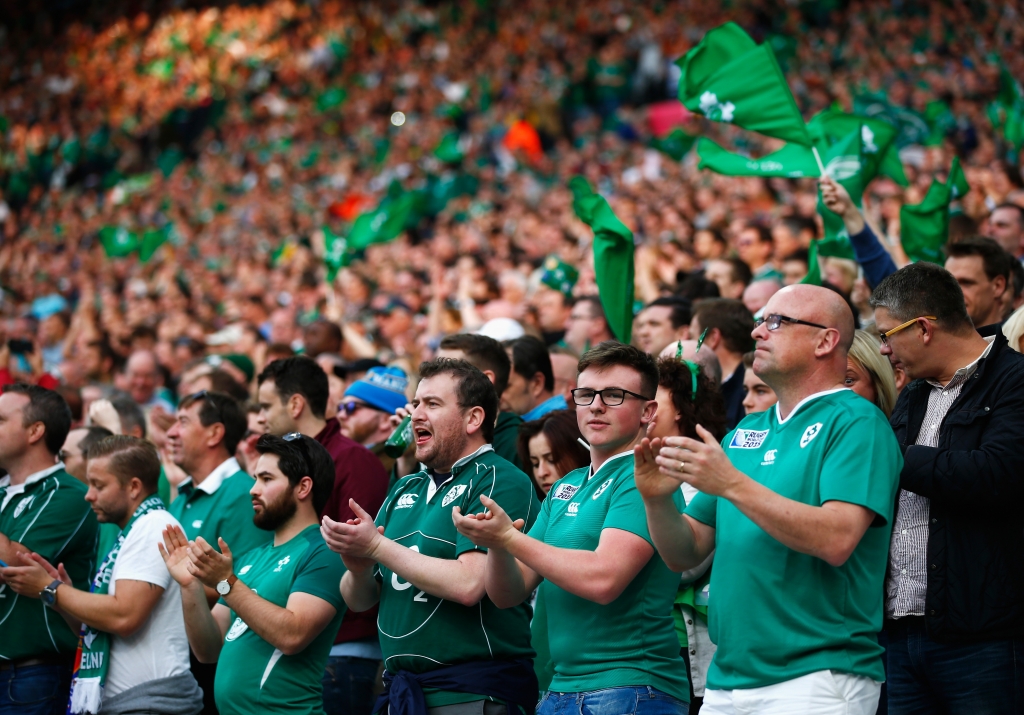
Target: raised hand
[(702, 463), (356, 539), (492, 529), (209, 566), (651, 481), (174, 551)]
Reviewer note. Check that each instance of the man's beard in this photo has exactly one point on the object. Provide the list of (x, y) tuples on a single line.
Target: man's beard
[(276, 514)]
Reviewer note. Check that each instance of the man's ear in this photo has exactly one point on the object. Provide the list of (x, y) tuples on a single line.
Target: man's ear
[(490, 375), (474, 419), (537, 383), (296, 404)]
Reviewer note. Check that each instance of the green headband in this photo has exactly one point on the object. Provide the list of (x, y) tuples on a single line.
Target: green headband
[(693, 367)]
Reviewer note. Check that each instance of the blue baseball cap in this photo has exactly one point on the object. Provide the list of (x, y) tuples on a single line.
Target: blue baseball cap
[(381, 387)]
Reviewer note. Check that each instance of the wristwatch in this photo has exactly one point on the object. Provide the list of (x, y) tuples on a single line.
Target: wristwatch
[(224, 587), (49, 594)]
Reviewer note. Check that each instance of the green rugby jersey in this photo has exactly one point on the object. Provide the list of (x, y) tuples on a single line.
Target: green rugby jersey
[(777, 614), (632, 640), (220, 506), (420, 632), (254, 677), (50, 517)]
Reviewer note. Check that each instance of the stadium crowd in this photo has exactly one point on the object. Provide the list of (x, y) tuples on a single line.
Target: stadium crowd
[(214, 386)]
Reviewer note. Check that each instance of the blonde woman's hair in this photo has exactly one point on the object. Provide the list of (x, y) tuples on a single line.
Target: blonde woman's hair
[(1013, 328), (864, 352)]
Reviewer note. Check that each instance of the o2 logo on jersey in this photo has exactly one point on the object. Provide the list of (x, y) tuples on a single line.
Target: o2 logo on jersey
[(237, 628), (601, 489), (406, 501), (809, 434), (564, 492), (748, 438), (572, 509), (453, 494)]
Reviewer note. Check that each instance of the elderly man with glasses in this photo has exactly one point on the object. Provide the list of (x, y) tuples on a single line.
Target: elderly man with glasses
[(801, 496), (954, 595)]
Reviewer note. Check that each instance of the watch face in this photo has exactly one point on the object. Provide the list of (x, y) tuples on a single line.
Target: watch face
[(223, 588)]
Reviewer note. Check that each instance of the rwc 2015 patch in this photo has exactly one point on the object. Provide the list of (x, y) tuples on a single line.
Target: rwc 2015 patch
[(564, 491), (748, 438)]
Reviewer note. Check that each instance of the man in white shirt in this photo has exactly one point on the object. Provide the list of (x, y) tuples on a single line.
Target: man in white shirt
[(135, 651)]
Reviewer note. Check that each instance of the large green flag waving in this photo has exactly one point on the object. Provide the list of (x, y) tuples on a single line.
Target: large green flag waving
[(336, 254), (813, 276), (728, 78), (613, 257), (924, 227), (844, 163), (675, 144)]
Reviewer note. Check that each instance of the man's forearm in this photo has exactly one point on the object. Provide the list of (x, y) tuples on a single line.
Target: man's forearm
[(812, 530), (360, 590), (278, 626), (204, 634), (581, 572), (672, 535), (9, 550), (99, 611), (449, 579)]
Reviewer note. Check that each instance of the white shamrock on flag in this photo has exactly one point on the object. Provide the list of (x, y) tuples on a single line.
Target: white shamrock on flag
[(715, 110), (867, 138)]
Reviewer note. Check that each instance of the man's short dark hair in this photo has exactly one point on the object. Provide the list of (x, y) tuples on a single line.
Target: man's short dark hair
[(764, 234), (740, 271), (923, 289), (48, 407), (682, 309), (800, 254), (530, 356), (695, 285), (1013, 207), (93, 435), (219, 407), (129, 457), (997, 261), (611, 353), (298, 375), (484, 353), (222, 381), (596, 309), (129, 413), (472, 388), (731, 318), (302, 457)]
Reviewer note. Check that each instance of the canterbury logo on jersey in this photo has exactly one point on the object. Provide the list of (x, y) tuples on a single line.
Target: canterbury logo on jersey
[(573, 508), (748, 438), (453, 494), (406, 500), (564, 492), (769, 457)]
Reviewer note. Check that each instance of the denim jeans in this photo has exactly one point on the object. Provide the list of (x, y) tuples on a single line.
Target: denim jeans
[(35, 690), (640, 700), (349, 685), (927, 677)]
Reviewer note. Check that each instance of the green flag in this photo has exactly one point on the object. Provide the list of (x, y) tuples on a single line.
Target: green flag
[(924, 227), (844, 163), (448, 149), (813, 276), (675, 144), (728, 78), (118, 241), (877, 137), (336, 255), (613, 257), (152, 240), (791, 161)]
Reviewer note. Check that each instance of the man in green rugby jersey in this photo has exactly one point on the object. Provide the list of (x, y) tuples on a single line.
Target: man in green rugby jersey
[(271, 632), (42, 510), (795, 502), (440, 633), (608, 595)]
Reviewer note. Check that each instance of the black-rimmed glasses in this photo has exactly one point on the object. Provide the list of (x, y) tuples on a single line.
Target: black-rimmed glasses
[(610, 396), (774, 321)]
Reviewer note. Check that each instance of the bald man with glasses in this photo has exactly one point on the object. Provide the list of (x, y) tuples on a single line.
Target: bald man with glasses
[(796, 504)]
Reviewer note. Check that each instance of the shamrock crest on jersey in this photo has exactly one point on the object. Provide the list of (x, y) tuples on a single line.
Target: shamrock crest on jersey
[(282, 563), (601, 489), (453, 494), (809, 434), (23, 505), (715, 110)]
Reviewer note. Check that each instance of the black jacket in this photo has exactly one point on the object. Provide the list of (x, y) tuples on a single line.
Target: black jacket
[(975, 481)]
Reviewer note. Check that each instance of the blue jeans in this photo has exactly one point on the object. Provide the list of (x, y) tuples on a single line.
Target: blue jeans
[(640, 700), (349, 685), (926, 677), (35, 690)]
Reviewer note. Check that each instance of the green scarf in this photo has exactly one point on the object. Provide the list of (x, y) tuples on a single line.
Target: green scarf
[(93, 658)]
